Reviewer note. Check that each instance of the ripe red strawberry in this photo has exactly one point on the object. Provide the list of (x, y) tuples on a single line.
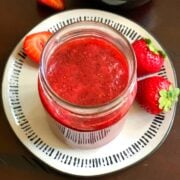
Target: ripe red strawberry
[(156, 94), (34, 44), (55, 4), (149, 59)]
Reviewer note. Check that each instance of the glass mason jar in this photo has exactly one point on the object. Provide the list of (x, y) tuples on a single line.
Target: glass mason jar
[(84, 126)]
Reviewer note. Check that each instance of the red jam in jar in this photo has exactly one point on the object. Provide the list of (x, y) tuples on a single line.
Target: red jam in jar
[(87, 71), (87, 81)]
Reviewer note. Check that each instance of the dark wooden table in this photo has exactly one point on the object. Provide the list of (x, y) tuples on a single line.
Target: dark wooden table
[(160, 17)]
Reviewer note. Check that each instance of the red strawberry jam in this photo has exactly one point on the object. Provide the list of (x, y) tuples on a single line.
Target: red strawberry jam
[(87, 71)]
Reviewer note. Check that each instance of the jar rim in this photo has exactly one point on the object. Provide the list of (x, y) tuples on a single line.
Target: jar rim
[(87, 109)]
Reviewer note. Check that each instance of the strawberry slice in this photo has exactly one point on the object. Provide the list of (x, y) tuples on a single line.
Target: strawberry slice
[(55, 4), (34, 44)]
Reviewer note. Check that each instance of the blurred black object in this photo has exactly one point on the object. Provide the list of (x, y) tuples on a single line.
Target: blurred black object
[(116, 6), (125, 4)]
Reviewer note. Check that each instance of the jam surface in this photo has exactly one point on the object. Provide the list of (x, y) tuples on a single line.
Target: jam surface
[(87, 71)]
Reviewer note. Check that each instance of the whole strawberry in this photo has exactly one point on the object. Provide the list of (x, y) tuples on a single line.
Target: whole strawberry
[(156, 94), (149, 59)]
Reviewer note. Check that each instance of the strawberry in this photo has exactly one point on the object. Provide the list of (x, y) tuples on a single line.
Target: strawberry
[(34, 44), (55, 4), (149, 59), (156, 94)]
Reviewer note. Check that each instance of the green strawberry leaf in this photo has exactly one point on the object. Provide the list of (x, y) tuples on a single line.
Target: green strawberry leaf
[(154, 49), (168, 98), (163, 93), (163, 54)]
